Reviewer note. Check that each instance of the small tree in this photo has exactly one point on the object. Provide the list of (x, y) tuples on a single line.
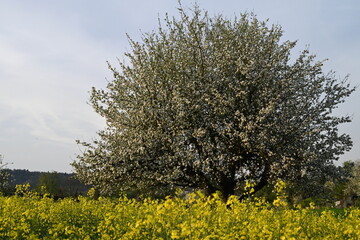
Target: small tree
[(4, 177), (319, 185), (50, 183), (352, 187), (340, 184), (211, 103)]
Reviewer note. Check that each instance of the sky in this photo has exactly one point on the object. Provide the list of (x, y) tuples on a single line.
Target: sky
[(52, 52)]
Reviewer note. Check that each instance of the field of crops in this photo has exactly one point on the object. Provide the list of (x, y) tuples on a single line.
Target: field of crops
[(196, 217)]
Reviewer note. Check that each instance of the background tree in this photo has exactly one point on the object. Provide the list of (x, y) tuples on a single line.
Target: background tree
[(4, 177), (339, 185), (352, 187), (50, 183), (321, 186), (211, 103)]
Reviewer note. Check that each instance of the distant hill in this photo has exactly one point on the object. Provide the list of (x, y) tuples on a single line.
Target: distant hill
[(65, 182)]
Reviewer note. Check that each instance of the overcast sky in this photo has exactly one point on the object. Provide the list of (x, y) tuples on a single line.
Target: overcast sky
[(52, 52)]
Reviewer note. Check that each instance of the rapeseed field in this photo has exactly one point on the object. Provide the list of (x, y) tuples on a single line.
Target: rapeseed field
[(196, 217)]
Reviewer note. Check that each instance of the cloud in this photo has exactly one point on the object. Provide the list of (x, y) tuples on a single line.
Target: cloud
[(53, 52), (47, 67)]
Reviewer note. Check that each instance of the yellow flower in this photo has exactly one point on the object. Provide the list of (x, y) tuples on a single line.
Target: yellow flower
[(175, 234)]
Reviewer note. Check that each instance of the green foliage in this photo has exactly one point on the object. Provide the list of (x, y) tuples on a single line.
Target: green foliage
[(50, 183), (210, 103), (4, 178), (353, 186)]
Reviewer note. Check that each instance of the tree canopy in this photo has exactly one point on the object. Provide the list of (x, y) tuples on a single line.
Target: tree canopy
[(210, 103)]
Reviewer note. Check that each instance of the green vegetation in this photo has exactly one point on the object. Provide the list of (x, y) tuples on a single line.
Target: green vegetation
[(55, 183), (4, 178), (353, 186), (50, 183)]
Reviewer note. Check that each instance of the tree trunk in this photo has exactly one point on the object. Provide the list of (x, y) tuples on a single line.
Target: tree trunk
[(228, 188)]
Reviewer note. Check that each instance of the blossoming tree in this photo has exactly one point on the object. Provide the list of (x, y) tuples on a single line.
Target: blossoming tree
[(209, 102)]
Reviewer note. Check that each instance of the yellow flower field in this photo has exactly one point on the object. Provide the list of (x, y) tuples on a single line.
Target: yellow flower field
[(197, 217)]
